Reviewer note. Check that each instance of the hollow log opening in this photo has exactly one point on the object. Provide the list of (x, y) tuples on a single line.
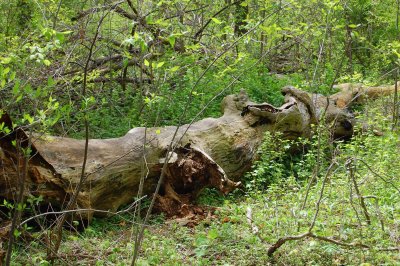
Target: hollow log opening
[(189, 171)]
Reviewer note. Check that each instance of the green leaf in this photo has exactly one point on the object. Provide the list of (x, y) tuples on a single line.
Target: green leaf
[(28, 118), (146, 63), (217, 21), (16, 233), (171, 40), (6, 60), (158, 131), (125, 62), (212, 234), (149, 20), (50, 82), (12, 76), (60, 36), (174, 69), (46, 62), (15, 89), (160, 64)]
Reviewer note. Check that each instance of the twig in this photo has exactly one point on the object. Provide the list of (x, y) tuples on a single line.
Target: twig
[(83, 177), (22, 177), (172, 144), (328, 172), (283, 240), (254, 228), (378, 175), (352, 169), (378, 210), (83, 210), (213, 16)]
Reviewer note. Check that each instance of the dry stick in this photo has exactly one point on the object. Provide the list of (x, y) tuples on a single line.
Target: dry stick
[(378, 210), (125, 70), (316, 169), (83, 210), (171, 146), (321, 48), (140, 191), (271, 250), (254, 228), (352, 168), (225, 89), (20, 198), (132, 7), (352, 202), (187, 11), (328, 173), (283, 240), (213, 16), (354, 207), (378, 175), (142, 178), (78, 188), (395, 102), (56, 14), (397, 19), (97, 9)]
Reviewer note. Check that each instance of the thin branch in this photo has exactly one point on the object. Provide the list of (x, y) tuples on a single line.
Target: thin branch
[(186, 11), (271, 250), (378, 175), (130, 207), (352, 169), (254, 228), (96, 9), (328, 173), (172, 144), (78, 188), (22, 177), (200, 31)]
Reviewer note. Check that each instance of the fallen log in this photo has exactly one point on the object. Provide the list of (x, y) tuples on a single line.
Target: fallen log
[(213, 152)]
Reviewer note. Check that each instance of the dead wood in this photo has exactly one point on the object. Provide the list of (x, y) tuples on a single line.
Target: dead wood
[(213, 152)]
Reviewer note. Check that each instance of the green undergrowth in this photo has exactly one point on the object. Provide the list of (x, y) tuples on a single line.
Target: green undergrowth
[(364, 169), (175, 105)]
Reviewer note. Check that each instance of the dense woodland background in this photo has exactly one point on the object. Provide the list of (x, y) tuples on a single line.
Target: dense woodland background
[(96, 69)]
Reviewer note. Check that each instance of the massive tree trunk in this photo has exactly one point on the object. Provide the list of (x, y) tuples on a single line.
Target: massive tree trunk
[(213, 152)]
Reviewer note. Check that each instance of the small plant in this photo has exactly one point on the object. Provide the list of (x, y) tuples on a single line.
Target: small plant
[(271, 164)]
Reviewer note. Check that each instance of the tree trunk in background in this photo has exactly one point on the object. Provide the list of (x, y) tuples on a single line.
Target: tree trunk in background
[(213, 152), (241, 11)]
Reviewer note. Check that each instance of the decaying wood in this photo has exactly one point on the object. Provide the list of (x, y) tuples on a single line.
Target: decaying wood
[(213, 152)]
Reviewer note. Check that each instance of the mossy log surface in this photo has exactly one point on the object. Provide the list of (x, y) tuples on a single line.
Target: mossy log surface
[(213, 152)]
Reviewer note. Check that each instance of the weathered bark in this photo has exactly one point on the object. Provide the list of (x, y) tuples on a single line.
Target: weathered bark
[(209, 153)]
